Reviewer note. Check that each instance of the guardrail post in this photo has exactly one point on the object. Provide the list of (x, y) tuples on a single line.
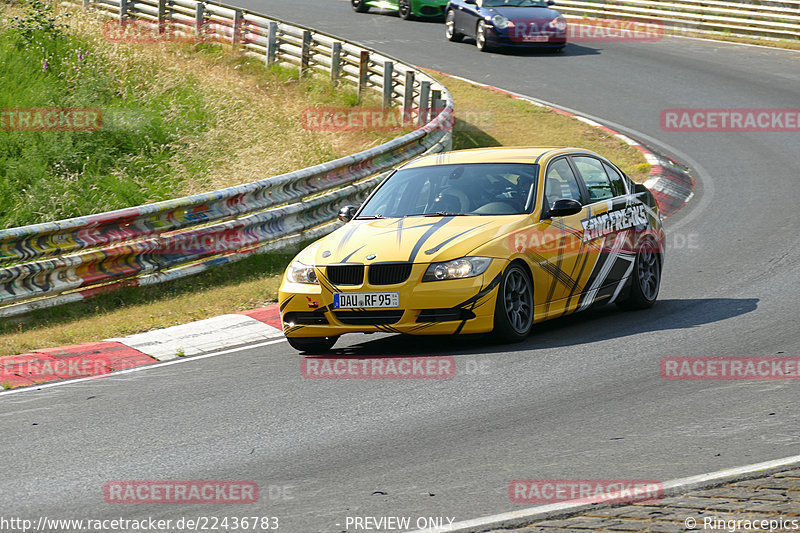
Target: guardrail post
[(272, 43), (238, 16), (408, 97), (363, 74), (123, 10), (436, 101), (305, 54), (336, 62), (424, 102), (86, 4), (388, 83), (199, 18), (162, 15)]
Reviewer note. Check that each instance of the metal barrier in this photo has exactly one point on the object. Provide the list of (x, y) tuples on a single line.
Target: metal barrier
[(757, 18), (49, 264)]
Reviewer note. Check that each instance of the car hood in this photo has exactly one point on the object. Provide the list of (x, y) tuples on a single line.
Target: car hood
[(412, 239), (524, 13)]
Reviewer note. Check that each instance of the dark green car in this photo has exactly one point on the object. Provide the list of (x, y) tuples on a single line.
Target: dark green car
[(408, 9)]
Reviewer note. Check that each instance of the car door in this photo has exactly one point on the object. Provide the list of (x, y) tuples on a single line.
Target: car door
[(560, 251), (608, 228)]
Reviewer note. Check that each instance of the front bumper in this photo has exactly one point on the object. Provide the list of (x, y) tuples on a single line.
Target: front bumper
[(431, 308), (508, 38), (423, 8)]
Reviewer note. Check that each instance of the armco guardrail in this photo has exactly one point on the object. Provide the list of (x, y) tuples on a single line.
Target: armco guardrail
[(757, 18), (48, 264)]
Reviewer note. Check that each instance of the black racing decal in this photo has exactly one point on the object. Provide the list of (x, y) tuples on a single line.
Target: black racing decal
[(555, 270), (576, 288), (556, 273), (326, 283), (400, 231), (451, 239), (557, 266), (427, 235), (351, 254), (346, 237), (285, 303), (483, 292), (401, 227)]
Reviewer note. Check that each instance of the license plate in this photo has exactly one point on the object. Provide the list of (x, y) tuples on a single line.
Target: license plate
[(536, 38), (365, 300)]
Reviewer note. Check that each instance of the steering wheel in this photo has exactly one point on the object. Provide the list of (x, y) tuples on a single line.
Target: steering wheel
[(457, 194)]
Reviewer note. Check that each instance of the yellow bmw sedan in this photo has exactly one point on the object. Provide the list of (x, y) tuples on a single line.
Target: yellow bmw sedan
[(478, 241)]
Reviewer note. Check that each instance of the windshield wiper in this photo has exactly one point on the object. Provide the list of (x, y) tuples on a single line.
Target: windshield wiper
[(370, 217), (437, 214)]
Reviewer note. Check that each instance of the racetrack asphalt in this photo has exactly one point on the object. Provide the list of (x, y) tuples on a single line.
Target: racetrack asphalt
[(582, 398)]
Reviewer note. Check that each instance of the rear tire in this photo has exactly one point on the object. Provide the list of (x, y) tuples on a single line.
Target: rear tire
[(359, 6), (513, 312), (312, 345), (645, 279), (404, 10), (450, 27)]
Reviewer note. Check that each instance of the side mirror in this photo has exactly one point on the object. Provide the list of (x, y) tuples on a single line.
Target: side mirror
[(471, 2), (565, 207), (550, 3), (347, 213)]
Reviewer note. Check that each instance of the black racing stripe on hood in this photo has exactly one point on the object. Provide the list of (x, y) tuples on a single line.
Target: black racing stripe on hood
[(351, 254), (451, 239), (427, 235), (346, 237)]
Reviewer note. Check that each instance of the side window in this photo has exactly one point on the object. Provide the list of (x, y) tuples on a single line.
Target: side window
[(560, 182), (594, 176), (617, 182)]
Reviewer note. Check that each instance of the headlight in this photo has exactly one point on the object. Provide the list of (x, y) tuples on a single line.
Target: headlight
[(466, 267), (559, 23), (500, 22), (300, 273)]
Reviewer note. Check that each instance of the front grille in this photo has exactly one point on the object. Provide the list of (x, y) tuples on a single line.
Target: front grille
[(305, 319), (431, 10), (369, 318), (389, 273), (444, 315), (345, 274)]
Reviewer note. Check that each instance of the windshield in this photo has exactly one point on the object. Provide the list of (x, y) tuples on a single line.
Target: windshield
[(514, 3), (470, 189)]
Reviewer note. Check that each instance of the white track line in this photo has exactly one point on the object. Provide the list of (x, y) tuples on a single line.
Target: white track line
[(675, 487), (138, 368)]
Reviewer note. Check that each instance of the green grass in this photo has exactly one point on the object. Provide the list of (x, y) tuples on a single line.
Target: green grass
[(49, 175)]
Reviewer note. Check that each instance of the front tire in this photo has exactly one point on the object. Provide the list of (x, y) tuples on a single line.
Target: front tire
[(312, 345), (513, 313), (480, 37), (645, 278), (450, 27), (359, 6), (404, 10)]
